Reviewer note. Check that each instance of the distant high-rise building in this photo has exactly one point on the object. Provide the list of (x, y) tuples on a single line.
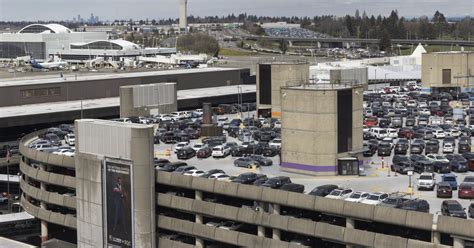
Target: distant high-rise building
[(183, 22)]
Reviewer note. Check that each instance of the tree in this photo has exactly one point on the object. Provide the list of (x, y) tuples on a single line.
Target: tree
[(198, 43), (385, 42), (283, 46)]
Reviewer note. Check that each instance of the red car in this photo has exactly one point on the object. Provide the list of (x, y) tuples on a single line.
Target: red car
[(406, 133), (371, 121), (466, 190), (204, 152)]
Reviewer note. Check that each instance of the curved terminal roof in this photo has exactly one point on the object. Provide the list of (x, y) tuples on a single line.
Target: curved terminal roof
[(106, 45), (45, 28)]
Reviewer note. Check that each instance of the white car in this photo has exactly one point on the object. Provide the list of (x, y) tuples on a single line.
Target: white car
[(277, 124), (426, 181), (194, 173), (275, 143), (453, 133), (357, 196), (424, 111), (180, 145), (340, 194), (198, 146), (374, 198), (448, 148), (221, 120), (392, 133), (219, 177), (411, 103), (437, 158), (220, 152), (439, 134), (422, 105), (70, 139)]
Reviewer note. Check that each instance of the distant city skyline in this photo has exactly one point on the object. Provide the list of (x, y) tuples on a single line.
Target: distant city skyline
[(55, 10)]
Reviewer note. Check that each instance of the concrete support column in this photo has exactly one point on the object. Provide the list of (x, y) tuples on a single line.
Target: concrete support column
[(260, 231), (350, 223), (199, 218), (458, 242), (44, 224), (276, 234), (436, 237)]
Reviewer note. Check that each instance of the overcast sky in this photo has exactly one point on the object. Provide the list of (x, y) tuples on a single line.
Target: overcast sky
[(33, 10)]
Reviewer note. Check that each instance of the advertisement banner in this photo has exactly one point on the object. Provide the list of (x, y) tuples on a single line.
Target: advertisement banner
[(118, 203)]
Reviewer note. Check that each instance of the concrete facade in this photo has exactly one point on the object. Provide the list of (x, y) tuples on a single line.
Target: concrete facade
[(310, 128), (123, 141), (145, 100), (270, 82), (448, 69)]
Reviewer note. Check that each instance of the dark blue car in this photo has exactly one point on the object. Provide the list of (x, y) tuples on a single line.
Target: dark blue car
[(451, 179)]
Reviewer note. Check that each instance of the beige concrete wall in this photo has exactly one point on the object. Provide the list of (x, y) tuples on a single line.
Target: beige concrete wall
[(459, 63), (309, 127), (127, 103), (282, 74), (117, 140)]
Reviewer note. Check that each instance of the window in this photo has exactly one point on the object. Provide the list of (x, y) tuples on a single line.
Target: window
[(56, 91)]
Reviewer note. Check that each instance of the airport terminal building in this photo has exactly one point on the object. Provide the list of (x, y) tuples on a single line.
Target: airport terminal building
[(43, 41)]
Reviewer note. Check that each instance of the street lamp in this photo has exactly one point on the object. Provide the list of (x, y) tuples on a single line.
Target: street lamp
[(410, 189)]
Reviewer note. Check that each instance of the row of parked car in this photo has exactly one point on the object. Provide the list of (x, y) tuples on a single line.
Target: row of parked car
[(57, 140), (433, 163), (393, 200)]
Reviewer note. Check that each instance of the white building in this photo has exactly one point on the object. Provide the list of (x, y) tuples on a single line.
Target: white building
[(42, 40)]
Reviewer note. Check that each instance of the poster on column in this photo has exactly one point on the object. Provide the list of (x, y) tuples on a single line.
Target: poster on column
[(118, 203)]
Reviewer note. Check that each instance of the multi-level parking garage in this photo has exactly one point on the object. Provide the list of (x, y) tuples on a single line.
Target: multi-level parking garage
[(188, 208)]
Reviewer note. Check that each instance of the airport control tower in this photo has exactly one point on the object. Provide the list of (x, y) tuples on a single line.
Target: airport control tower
[(183, 21)]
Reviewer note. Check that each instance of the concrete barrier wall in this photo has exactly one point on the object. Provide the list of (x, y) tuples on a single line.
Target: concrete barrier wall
[(281, 222), (411, 219), (45, 196), (49, 216), (456, 226), (218, 234), (167, 243), (48, 177)]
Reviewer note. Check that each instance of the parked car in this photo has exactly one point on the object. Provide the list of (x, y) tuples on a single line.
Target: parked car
[(453, 208), (211, 172), (423, 166), (70, 139), (248, 178), (466, 190), (418, 205), (186, 153), (323, 190), (263, 161), (393, 202), (384, 149), (458, 162), (277, 182), (451, 179), (220, 152), (357, 196), (183, 169), (246, 162), (374, 198), (204, 152), (340, 194), (426, 181), (172, 166), (443, 189), (293, 187), (194, 173), (180, 146)]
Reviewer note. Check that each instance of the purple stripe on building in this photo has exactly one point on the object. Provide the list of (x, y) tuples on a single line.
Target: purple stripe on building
[(315, 168)]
